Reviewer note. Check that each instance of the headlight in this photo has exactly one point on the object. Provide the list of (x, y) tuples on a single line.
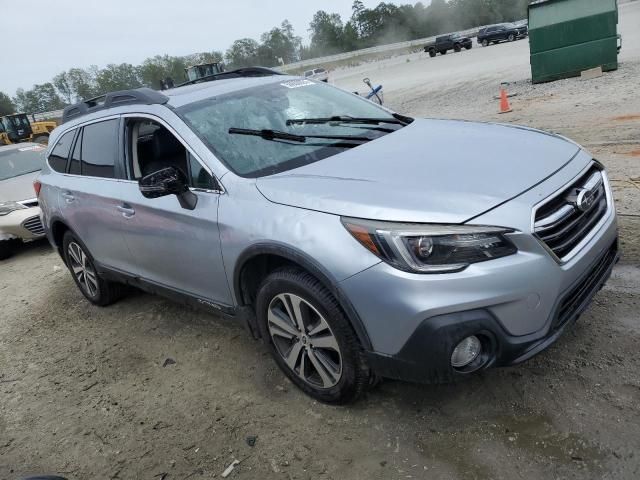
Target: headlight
[(430, 248), (7, 207)]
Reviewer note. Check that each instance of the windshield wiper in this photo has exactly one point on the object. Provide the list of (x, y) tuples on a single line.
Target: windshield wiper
[(344, 119), (278, 135), (268, 134)]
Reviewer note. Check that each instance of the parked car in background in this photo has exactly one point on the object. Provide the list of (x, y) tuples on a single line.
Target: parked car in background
[(20, 221), (319, 74), (357, 242), (503, 32), (453, 41), (522, 23)]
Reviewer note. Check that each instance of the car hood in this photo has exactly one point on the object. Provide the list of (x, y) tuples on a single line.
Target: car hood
[(18, 188), (429, 171)]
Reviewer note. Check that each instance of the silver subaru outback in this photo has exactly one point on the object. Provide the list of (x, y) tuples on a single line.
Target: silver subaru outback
[(356, 242)]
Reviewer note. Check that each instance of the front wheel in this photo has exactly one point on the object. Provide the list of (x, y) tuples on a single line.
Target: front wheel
[(511, 37), (443, 52), (457, 48), (42, 140), (310, 338), (485, 43), (432, 53)]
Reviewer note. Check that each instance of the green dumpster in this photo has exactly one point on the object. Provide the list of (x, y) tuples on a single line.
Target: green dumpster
[(567, 37)]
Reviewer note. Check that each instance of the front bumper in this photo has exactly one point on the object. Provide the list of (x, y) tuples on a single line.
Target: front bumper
[(425, 356), (516, 303), (23, 224)]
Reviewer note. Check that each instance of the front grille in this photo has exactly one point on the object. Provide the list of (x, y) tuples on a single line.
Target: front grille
[(34, 225), (575, 300), (565, 220)]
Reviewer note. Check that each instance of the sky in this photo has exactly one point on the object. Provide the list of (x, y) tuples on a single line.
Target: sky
[(44, 37)]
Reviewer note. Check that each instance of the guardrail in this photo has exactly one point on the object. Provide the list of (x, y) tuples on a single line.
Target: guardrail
[(369, 51)]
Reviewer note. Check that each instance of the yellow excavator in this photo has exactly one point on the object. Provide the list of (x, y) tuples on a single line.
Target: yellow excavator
[(17, 128)]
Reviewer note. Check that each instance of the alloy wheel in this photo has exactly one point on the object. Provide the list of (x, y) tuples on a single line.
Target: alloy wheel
[(83, 269), (304, 340)]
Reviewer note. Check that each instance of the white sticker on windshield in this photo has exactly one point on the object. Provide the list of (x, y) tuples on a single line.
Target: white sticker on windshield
[(297, 83), (29, 149)]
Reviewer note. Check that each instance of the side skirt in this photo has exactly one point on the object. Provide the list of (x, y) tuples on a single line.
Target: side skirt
[(177, 296)]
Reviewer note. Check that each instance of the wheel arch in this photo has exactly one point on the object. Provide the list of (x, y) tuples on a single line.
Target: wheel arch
[(57, 230), (258, 260)]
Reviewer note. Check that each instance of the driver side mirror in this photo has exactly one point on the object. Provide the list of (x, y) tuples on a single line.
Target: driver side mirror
[(168, 181)]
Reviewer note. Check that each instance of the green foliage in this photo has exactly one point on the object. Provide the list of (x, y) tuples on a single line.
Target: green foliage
[(326, 33), (41, 98), (243, 52), (367, 27), (6, 105), (117, 77)]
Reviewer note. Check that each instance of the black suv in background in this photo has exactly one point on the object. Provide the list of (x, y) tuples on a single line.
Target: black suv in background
[(453, 41), (503, 32)]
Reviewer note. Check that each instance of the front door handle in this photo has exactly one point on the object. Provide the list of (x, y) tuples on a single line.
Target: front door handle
[(127, 211), (68, 197)]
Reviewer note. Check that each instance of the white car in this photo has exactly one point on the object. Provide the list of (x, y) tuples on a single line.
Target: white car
[(319, 74), (20, 164)]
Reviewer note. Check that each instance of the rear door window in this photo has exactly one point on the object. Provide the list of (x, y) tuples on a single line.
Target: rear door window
[(100, 149), (60, 154)]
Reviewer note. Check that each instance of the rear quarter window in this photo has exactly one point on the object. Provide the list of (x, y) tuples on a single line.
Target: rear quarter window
[(59, 155)]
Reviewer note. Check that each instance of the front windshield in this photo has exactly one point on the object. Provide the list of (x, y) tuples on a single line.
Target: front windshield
[(269, 107), (20, 161)]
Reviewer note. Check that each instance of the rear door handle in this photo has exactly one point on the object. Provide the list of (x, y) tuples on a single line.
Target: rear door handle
[(127, 211), (68, 197)]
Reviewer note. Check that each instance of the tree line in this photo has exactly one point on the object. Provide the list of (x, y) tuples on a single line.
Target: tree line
[(328, 32)]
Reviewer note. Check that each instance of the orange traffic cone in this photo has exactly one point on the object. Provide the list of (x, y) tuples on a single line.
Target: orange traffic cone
[(504, 101)]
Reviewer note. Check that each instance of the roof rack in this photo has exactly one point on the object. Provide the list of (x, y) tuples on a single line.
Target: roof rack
[(238, 73), (144, 96)]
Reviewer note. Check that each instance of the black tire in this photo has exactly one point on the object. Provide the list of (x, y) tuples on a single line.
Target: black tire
[(511, 37), (42, 140), (104, 292), (432, 53), (485, 43), (457, 48), (6, 249), (443, 52), (469, 47), (355, 375)]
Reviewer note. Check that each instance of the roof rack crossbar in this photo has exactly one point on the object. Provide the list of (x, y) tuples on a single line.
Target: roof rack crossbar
[(237, 73), (141, 96)]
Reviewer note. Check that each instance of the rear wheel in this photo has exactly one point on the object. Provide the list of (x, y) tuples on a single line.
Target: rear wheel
[(468, 47), (485, 43), (42, 139), (443, 52), (511, 37), (82, 267), (309, 337), (457, 48), (432, 53)]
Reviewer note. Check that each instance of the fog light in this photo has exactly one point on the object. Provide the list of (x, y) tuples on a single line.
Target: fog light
[(466, 352)]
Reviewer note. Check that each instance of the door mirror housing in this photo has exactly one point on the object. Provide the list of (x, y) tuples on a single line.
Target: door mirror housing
[(168, 181)]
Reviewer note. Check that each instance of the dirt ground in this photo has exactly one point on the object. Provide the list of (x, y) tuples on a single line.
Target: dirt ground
[(149, 389)]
